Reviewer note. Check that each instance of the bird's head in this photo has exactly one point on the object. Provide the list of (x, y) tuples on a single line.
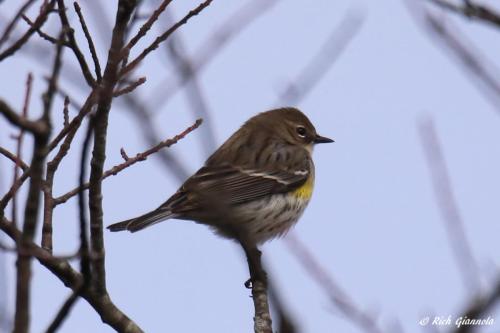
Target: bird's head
[(292, 126)]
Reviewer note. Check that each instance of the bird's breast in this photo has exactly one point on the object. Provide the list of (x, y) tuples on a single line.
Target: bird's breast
[(305, 191)]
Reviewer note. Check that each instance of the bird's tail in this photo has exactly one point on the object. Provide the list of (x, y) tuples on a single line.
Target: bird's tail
[(143, 221)]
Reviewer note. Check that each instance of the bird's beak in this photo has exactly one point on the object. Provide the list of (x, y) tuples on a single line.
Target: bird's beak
[(322, 139)]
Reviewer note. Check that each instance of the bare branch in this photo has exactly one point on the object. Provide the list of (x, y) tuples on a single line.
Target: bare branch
[(147, 25), (471, 61), (129, 161), (210, 48), (124, 154), (105, 98), (75, 123), (448, 206), (65, 111), (14, 158), (97, 66), (35, 127), (13, 189), (13, 22), (64, 311), (480, 306), (40, 20), (472, 11), (258, 284), (338, 297), (153, 46), (194, 92), (339, 39), (20, 138), (143, 118), (41, 33), (23, 290), (130, 88), (102, 304), (70, 34)]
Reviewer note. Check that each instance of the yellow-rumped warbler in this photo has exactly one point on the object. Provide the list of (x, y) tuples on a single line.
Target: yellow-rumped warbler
[(256, 185)]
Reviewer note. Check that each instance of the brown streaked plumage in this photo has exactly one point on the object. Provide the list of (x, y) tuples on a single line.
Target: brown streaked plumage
[(256, 185)]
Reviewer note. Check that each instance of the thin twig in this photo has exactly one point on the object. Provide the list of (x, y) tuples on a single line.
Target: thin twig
[(13, 189), (13, 22), (23, 277), (66, 111), (35, 127), (61, 92), (130, 88), (164, 36), (84, 244), (48, 97), (448, 206), (194, 92), (480, 306), (64, 311), (70, 34), (102, 304), (27, 252), (339, 39), (285, 322), (72, 126), (97, 66), (137, 107), (42, 34), (147, 25), (471, 61), (129, 161), (20, 138), (472, 11), (338, 297), (14, 158), (40, 20), (144, 120), (209, 49), (76, 121)]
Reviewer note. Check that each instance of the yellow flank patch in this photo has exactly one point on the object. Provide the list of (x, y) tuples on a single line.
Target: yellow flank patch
[(305, 191)]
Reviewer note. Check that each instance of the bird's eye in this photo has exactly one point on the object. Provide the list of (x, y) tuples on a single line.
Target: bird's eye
[(301, 131)]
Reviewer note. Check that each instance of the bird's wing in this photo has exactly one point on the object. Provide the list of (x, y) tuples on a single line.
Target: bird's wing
[(241, 185), (231, 185)]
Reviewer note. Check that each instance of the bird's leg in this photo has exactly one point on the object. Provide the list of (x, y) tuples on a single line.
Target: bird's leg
[(258, 284), (257, 272)]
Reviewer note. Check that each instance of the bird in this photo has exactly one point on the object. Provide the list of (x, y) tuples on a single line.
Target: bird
[(255, 186)]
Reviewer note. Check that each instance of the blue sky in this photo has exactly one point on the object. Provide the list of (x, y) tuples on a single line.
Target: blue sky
[(374, 222)]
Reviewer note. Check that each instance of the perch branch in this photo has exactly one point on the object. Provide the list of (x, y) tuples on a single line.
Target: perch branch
[(258, 284)]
